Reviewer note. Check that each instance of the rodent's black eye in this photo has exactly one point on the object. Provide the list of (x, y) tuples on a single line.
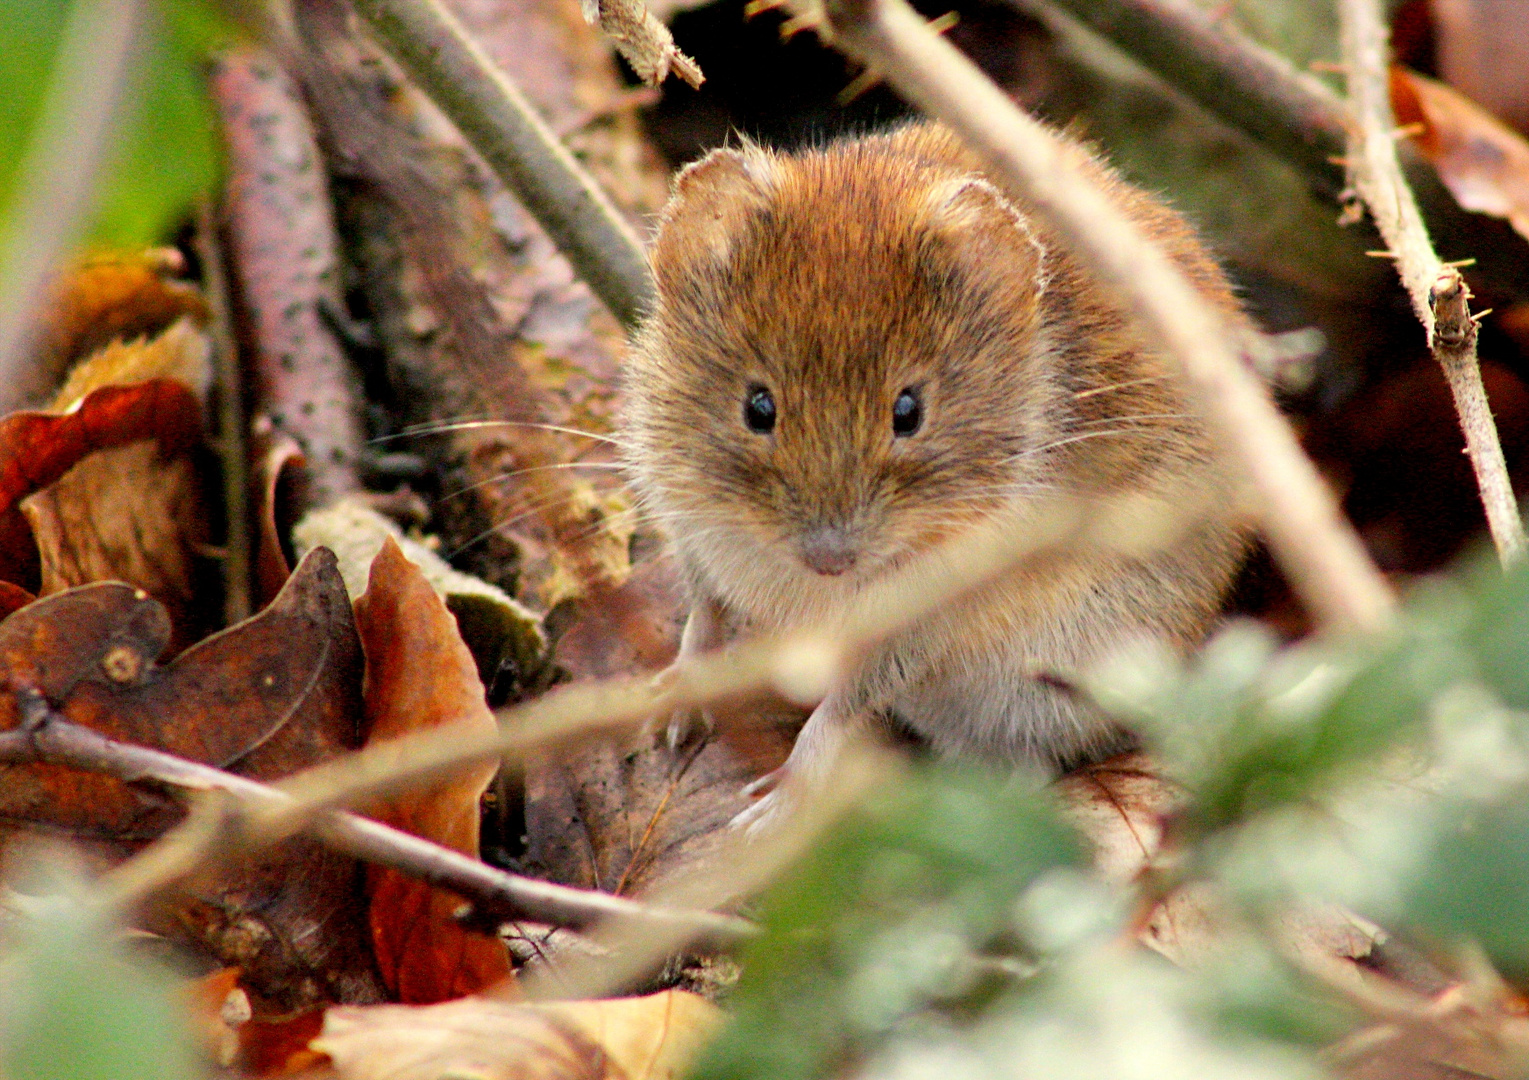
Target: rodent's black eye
[(759, 410), (907, 413)]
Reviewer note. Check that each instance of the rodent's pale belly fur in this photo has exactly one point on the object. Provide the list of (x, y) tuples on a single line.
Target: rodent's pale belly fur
[(966, 680)]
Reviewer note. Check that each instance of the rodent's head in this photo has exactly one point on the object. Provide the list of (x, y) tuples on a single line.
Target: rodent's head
[(845, 364)]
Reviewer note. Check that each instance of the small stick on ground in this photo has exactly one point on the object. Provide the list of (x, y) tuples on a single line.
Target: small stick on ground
[(284, 255), (1314, 544), (233, 448), (46, 737), (1439, 294)]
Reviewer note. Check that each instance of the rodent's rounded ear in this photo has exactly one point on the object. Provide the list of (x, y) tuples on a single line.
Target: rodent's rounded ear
[(711, 201), (973, 216)]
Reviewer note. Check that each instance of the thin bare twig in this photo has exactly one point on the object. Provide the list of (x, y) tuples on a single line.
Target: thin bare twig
[(284, 254), (1317, 548), (1296, 115), (495, 117), (47, 737), (232, 445), (1438, 292), (70, 138)]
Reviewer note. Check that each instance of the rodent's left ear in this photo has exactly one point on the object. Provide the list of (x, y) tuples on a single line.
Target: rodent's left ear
[(712, 200), (973, 217)]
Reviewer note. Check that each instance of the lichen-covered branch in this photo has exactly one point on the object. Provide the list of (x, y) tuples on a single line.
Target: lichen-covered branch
[(1439, 294), (1316, 547), (493, 115)]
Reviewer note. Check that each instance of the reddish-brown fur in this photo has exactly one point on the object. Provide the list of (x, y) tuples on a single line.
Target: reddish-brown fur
[(838, 278)]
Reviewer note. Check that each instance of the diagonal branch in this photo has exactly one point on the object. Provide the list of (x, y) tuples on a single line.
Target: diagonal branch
[(803, 666), (1315, 545), (46, 737), (1199, 53), (1438, 292), (491, 112)]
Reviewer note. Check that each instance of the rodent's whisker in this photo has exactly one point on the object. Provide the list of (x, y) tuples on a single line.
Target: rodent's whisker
[(1139, 432), (1116, 386), (535, 507), (417, 430), (614, 467), (1134, 418)]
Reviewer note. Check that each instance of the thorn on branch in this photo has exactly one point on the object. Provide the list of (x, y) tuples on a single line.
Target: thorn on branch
[(1449, 298)]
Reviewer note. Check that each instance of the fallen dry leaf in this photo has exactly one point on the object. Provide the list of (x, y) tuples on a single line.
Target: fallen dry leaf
[(1483, 51), (127, 514), (1120, 806), (620, 816), (37, 448), (132, 513), (420, 675), (109, 296), (280, 480), (12, 598), (278, 692), (644, 1038), (1483, 162)]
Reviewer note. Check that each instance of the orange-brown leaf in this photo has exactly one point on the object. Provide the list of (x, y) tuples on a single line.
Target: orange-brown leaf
[(111, 296), (276, 693), (1483, 162), (420, 675), (13, 598), (38, 448)]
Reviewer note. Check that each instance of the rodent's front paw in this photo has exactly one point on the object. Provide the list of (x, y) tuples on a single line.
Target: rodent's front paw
[(771, 808), (766, 815), (686, 725)]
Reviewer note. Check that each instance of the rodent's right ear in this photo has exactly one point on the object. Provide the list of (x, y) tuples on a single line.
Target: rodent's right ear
[(712, 200)]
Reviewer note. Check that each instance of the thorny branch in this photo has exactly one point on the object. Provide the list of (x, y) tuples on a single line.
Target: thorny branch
[(1314, 544), (46, 737), (1439, 294), (495, 117)]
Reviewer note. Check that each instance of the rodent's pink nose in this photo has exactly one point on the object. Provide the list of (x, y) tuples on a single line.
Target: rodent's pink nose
[(828, 551)]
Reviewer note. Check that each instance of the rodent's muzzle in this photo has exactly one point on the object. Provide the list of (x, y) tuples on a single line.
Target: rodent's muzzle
[(828, 550)]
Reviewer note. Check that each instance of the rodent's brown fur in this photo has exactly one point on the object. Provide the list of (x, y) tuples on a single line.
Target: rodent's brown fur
[(840, 276)]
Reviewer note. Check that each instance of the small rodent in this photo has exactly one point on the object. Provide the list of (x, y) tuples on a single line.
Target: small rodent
[(860, 350)]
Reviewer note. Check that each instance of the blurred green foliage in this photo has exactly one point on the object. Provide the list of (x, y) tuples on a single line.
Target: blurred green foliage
[(166, 152), (75, 1006), (949, 931)]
